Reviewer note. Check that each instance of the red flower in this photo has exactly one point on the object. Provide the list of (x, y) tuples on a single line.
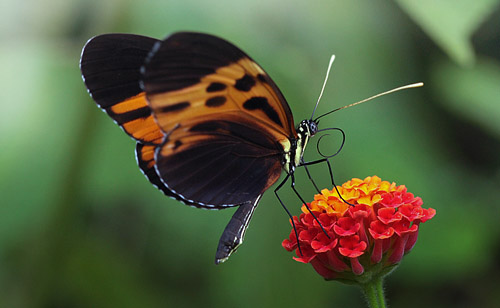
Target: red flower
[(372, 235)]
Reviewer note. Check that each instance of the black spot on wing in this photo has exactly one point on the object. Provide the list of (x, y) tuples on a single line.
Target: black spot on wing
[(177, 144), (216, 87), (245, 83), (262, 78), (261, 103), (215, 101), (175, 107)]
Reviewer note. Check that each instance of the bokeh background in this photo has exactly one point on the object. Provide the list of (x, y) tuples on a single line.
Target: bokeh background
[(80, 226)]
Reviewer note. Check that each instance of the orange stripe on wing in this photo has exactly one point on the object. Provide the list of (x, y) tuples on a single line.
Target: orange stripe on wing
[(134, 116), (130, 104), (145, 130), (147, 155)]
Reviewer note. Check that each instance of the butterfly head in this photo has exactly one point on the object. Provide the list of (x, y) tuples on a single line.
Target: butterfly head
[(308, 127), (305, 130)]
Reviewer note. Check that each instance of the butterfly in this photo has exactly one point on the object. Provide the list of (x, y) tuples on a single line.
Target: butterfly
[(212, 129)]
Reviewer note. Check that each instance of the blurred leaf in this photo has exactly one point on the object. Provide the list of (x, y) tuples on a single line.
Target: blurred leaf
[(97, 275), (450, 23), (471, 93), (80, 226)]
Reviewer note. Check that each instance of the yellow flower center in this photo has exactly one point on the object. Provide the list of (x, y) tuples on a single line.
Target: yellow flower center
[(355, 191)]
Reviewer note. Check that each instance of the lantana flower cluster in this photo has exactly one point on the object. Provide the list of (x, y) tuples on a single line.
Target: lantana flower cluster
[(377, 226)]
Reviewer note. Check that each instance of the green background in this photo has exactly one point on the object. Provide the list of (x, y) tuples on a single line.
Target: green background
[(80, 226)]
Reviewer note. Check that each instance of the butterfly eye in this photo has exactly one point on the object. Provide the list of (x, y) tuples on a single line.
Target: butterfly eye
[(313, 127)]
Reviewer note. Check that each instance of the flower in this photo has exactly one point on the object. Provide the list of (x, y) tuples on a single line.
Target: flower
[(360, 239)]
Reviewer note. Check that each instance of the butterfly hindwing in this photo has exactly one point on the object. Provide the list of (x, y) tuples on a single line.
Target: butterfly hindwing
[(220, 162), (146, 161)]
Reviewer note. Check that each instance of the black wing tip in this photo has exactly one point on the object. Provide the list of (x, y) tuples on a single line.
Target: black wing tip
[(110, 66)]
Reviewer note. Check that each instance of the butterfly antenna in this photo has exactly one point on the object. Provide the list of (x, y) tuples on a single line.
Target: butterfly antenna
[(332, 58), (413, 85)]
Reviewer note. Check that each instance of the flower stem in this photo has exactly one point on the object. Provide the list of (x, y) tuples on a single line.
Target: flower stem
[(374, 293)]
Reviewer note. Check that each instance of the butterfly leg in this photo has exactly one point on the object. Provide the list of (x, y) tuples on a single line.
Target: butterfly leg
[(305, 164), (305, 203), (287, 211), (310, 177)]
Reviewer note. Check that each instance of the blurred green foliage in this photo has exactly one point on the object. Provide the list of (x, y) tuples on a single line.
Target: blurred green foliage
[(81, 227)]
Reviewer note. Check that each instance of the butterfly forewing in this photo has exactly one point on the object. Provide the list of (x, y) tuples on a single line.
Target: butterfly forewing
[(192, 75)]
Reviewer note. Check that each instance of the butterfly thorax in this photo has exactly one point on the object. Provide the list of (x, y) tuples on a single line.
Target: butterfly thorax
[(292, 158)]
